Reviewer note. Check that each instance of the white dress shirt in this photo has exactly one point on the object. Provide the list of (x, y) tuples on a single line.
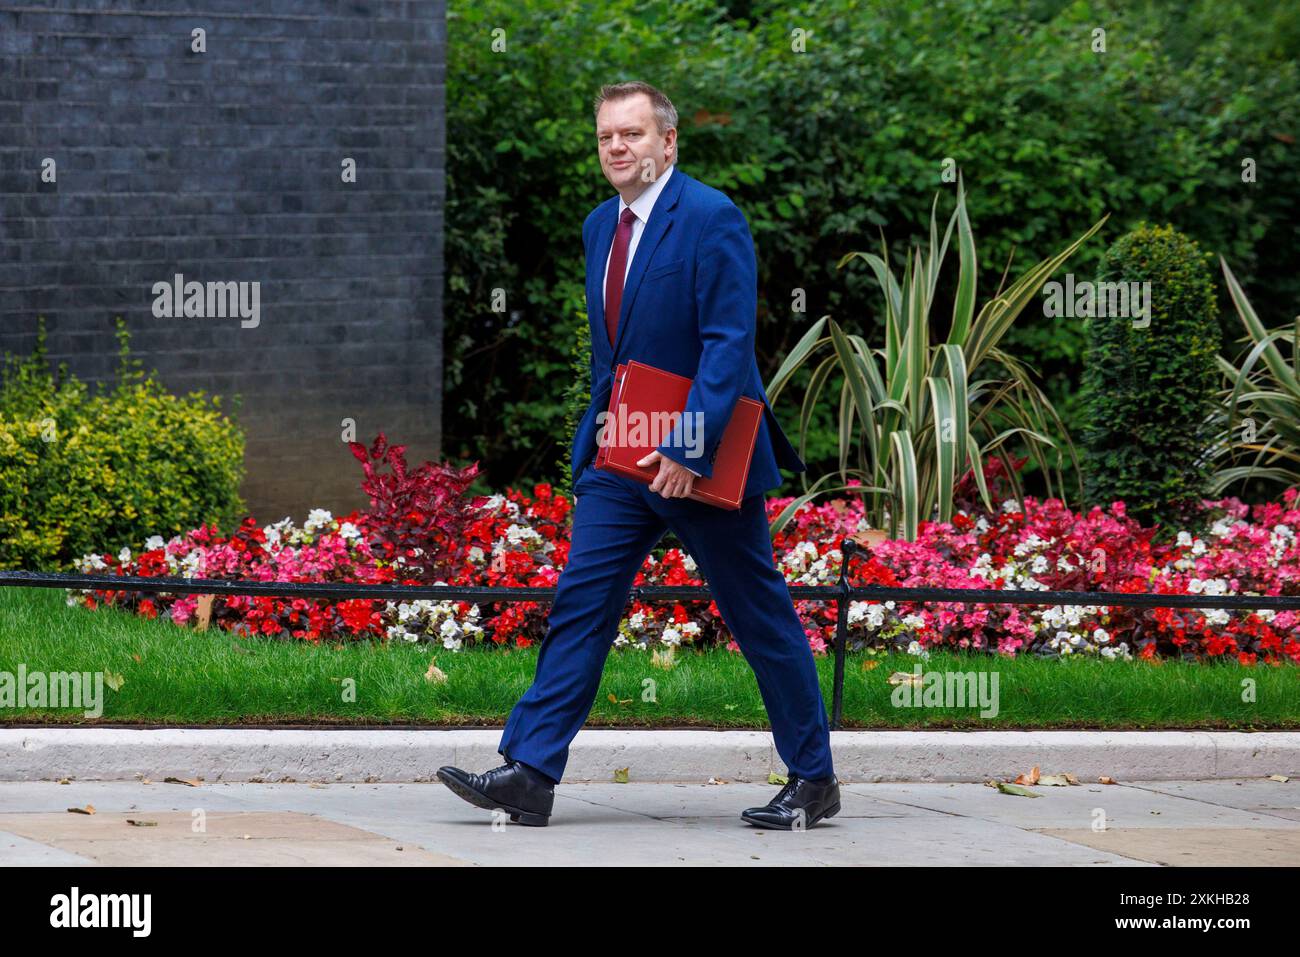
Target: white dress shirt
[(641, 207)]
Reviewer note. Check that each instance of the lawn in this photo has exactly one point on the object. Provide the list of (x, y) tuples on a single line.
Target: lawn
[(178, 676)]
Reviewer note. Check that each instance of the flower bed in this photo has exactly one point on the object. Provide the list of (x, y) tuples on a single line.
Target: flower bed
[(422, 528)]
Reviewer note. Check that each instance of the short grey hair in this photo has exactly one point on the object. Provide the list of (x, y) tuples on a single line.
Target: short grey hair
[(665, 112)]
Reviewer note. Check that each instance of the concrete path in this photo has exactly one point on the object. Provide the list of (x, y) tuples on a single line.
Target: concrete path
[(1222, 822)]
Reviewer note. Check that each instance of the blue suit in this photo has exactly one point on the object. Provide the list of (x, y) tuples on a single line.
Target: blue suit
[(689, 306)]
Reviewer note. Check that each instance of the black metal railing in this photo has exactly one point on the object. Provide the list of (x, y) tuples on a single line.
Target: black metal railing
[(841, 593)]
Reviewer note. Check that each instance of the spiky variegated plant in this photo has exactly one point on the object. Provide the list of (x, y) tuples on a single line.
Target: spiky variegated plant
[(923, 412), (1260, 419)]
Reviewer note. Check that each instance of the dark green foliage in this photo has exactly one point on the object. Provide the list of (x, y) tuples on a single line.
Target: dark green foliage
[(1149, 387), (822, 149)]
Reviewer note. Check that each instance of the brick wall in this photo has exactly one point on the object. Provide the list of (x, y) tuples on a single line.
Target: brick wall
[(225, 166)]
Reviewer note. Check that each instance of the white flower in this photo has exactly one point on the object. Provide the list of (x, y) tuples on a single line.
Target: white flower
[(154, 542), (672, 636), (915, 649), (1100, 636), (349, 531), (518, 534), (452, 644), (1184, 538), (317, 518), (124, 555), (688, 563)]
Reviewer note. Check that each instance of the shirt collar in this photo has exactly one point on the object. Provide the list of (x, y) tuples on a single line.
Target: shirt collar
[(642, 205)]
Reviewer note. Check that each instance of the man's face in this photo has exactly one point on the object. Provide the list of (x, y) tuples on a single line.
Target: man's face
[(632, 151)]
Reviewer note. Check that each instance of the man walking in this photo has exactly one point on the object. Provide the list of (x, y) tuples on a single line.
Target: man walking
[(672, 282)]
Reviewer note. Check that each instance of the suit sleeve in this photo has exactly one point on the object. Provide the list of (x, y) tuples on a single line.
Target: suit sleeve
[(726, 298)]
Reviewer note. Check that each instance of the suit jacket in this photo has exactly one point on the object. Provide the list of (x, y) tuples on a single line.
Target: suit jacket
[(690, 306)]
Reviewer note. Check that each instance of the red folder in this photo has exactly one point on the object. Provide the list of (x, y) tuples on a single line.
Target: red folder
[(648, 390)]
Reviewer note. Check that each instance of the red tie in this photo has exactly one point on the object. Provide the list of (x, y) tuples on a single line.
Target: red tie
[(617, 267)]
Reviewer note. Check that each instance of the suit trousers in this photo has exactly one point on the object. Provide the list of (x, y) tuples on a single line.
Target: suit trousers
[(616, 523)]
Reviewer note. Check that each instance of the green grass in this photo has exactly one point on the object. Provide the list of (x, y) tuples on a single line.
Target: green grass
[(173, 675)]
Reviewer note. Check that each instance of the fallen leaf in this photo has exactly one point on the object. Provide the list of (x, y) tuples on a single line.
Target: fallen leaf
[(906, 678), (1105, 780), (137, 659), (620, 775), (65, 781), (135, 823), (1282, 778), (1053, 781), (88, 809), (774, 778), (191, 782), (717, 781), (1030, 778), (435, 674), (1016, 789), (114, 681), (870, 665)]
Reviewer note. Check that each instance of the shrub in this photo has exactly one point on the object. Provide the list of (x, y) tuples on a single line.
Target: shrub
[(1150, 382), (80, 470), (1257, 436), (926, 412)]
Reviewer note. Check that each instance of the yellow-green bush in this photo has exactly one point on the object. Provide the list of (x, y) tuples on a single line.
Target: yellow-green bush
[(83, 472)]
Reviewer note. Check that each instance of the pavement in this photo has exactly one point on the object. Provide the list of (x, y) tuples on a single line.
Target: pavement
[(1254, 822), (250, 797)]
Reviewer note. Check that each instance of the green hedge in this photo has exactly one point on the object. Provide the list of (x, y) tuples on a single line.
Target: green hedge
[(83, 472), (1150, 383), (824, 149)]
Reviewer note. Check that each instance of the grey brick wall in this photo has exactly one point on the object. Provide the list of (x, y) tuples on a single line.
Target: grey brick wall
[(225, 166)]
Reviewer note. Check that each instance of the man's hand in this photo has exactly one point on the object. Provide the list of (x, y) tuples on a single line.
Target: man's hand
[(673, 480)]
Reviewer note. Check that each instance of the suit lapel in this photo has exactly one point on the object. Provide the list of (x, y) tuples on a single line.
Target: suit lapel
[(661, 218), (596, 280)]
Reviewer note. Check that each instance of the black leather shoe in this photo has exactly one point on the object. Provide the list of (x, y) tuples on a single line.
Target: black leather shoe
[(514, 788), (802, 803)]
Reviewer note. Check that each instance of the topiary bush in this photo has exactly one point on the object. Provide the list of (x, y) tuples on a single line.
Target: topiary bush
[(1150, 382), (80, 471)]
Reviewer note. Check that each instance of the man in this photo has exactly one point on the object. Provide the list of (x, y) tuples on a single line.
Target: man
[(672, 282)]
